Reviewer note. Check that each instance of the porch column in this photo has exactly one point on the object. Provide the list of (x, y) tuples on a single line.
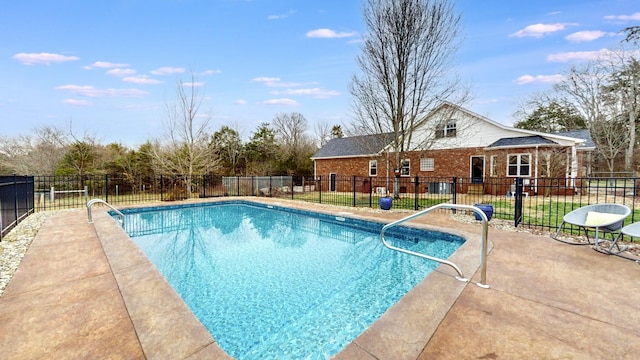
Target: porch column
[(574, 165)]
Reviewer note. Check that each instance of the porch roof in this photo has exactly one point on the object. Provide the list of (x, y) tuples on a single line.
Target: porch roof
[(521, 141)]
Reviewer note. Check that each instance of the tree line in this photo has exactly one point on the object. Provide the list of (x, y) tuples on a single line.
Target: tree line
[(603, 96)]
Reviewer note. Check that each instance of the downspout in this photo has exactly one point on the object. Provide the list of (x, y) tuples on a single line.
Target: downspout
[(536, 168)]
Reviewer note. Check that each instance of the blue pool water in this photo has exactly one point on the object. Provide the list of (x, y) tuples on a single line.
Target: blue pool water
[(269, 282)]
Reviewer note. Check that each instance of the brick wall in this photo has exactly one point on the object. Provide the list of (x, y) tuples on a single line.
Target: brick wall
[(447, 163)]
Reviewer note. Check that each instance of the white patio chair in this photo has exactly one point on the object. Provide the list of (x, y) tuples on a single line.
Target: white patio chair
[(601, 218)]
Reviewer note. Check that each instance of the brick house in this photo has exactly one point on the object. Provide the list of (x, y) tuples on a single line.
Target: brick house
[(457, 142)]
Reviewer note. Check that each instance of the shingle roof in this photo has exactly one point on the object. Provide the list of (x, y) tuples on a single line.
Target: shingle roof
[(354, 146), (583, 134), (522, 141)]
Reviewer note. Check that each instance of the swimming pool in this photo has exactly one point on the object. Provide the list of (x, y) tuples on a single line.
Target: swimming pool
[(278, 283)]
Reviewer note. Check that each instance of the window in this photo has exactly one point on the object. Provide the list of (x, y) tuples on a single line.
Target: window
[(405, 170), (519, 165), (373, 167), (446, 130), (426, 164), (493, 166)]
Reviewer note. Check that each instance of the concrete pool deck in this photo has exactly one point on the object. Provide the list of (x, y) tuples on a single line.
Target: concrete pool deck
[(86, 291)]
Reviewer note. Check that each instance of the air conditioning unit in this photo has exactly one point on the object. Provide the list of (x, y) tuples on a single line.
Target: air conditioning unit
[(381, 190)]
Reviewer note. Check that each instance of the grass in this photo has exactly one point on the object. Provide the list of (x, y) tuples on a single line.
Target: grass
[(538, 211)]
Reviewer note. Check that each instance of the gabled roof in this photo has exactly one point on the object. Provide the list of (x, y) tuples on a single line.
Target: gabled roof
[(522, 141), (364, 145), (561, 136)]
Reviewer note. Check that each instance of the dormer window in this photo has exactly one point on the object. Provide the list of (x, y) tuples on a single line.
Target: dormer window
[(446, 130)]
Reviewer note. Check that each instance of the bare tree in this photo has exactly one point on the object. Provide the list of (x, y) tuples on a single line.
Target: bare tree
[(185, 147), (296, 147), (606, 93), (39, 154), (405, 69), (289, 129), (622, 94), (322, 132)]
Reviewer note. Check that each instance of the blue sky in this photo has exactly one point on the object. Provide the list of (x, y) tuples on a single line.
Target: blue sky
[(109, 67)]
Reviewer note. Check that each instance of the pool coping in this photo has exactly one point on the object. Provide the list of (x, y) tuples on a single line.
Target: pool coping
[(167, 328)]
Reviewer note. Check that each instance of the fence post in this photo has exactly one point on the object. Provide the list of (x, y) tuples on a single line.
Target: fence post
[(416, 192), (15, 199), (353, 201), (106, 187), (161, 188), (455, 191), (320, 189), (517, 216), (370, 192)]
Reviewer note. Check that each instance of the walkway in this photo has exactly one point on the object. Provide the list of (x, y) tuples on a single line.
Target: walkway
[(80, 295)]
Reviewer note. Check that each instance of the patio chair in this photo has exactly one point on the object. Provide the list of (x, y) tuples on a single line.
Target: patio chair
[(601, 218), (631, 230)]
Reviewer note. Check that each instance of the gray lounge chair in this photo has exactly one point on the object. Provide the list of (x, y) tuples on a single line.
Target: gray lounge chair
[(601, 218), (631, 230)]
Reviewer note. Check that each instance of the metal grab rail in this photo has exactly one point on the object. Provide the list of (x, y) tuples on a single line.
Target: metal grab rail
[(485, 231), (93, 201)]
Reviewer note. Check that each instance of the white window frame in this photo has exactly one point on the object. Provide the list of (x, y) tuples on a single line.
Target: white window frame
[(405, 168), (519, 164), (373, 165), (427, 164), (447, 130)]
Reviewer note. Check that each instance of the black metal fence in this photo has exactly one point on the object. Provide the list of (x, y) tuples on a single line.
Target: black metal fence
[(533, 202), (16, 201)]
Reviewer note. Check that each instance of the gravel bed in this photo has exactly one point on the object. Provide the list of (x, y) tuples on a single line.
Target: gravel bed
[(16, 243)]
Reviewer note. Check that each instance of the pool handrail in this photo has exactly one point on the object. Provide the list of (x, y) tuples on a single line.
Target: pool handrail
[(94, 201), (485, 231)]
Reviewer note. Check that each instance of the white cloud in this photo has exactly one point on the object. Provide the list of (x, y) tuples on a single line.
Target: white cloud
[(633, 17), (142, 79), (104, 65), (43, 58), (289, 102), (210, 72), (90, 91), (315, 92), (588, 35), (540, 30), (265, 79), (121, 72), (76, 102), (241, 102), (538, 79), (274, 82), (577, 56), (590, 55), (281, 16), (192, 84), (167, 70), (328, 33)]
